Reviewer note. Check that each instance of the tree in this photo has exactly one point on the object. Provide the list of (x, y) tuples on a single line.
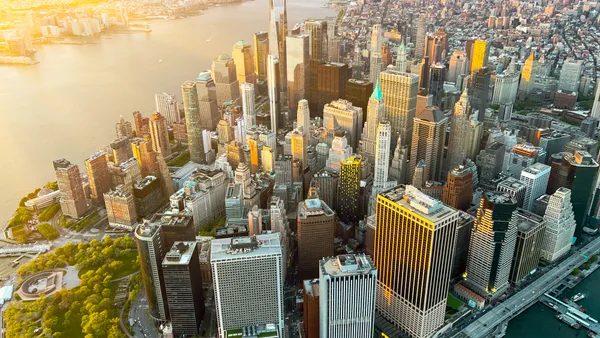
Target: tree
[(52, 185), (47, 231), (576, 272)]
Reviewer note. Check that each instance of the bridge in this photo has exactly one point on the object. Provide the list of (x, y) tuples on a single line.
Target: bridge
[(486, 325)]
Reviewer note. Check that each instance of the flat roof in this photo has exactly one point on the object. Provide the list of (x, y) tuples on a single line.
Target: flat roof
[(346, 265), (180, 253), (230, 248), (410, 198)]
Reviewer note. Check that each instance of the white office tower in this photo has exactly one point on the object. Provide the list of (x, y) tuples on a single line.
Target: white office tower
[(339, 151), (347, 296), (560, 225), (248, 105), (376, 38), (238, 263), (401, 58), (303, 116), (570, 75), (375, 112), (382, 163), (349, 117), (595, 112), (167, 106), (458, 149), (505, 93), (273, 82), (459, 65), (535, 177), (375, 66)]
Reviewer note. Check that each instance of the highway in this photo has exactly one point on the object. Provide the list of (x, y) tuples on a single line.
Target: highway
[(517, 303)]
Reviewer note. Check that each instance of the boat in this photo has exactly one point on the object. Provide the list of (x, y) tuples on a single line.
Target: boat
[(568, 320), (578, 297), (207, 40), (160, 61)]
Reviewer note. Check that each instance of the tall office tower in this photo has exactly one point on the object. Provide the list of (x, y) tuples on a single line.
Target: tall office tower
[(535, 177), (382, 154), (423, 72), (527, 75), (401, 58), (167, 106), (140, 123), (99, 177), (244, 62), (317, 33), (375, 66), (458, 147), (261, 51), (458, 190), (412, 287), (330, 85), (72, 196), (316, 233), (479, 55), (152, 163), (576, 172), (193, 122), (400, 93), (554, 143), (342, 278), (358, 92), (121, 149), (327, 181), (278, 27), (505, 94), (207, 106), (159, 134), (120, 208), (595, 112), (530, 234), (349, 190), (583, 144), (398, 167), (560, 225), (428, 139), (240, 262), (436, 46), (340, 151), (458, 65), (151, 251), (274, 89), (514, 188), (522, 156), (298, 70), (183, 286), (420, 38), (299, 147), (303, 116), (224, 74), (349, 117), (437, 74), (570, 75), (376, 38), (492, 245), (248, 104), (375, 113), (310, 311), (479, 87), (123, 128)]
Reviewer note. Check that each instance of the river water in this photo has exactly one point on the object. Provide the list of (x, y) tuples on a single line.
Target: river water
[(67, 105), (538, 321)]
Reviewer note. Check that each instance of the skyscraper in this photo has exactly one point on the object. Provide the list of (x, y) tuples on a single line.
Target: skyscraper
[(420, 38), (492, 245), (401, 58), (72, 197), (160, 134), (535, 177), (479, 87), (329, 85), (595, 112), (121, 149), (458, 65), (527, 75), (412, 287), (560, 226), (299, 147), (298, 70), (238, 263), (382, 154), (248, 104), (400, 93), (347, 296), (570, 74), (349, 190), (479, 55), (244, 62), (274, 91), (193, 122), (167, 106), (458, 144), (261, 51), (316, 233), (505, 93), (278, 27), (375, 113), (183, 287), (151, 253), (358, 92), (375, 66), (317, 33), (349, 117), (458, 190), (99, 177), (224, 74), (428, 139), (206, 93), (530, 231)]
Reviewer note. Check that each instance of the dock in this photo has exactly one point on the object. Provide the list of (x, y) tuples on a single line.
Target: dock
[(567, 310)]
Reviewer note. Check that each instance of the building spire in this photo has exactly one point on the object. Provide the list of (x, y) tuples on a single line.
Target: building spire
[(377, 94), (401, 58)]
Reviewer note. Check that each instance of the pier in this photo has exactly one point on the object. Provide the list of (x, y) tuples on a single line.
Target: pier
[(567, 310)]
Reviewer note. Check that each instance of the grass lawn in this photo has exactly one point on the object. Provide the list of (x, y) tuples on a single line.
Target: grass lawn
[(180, 160), (454, 302), (130, 265)]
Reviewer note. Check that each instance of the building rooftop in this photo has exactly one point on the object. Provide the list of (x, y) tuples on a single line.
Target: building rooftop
[(512, 184), (180, 253), (311, 287), (346, 265), (144, 182), (498, 197), (527, 221), (409, 197), (244, 247), (536, 168), (96, 155)]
